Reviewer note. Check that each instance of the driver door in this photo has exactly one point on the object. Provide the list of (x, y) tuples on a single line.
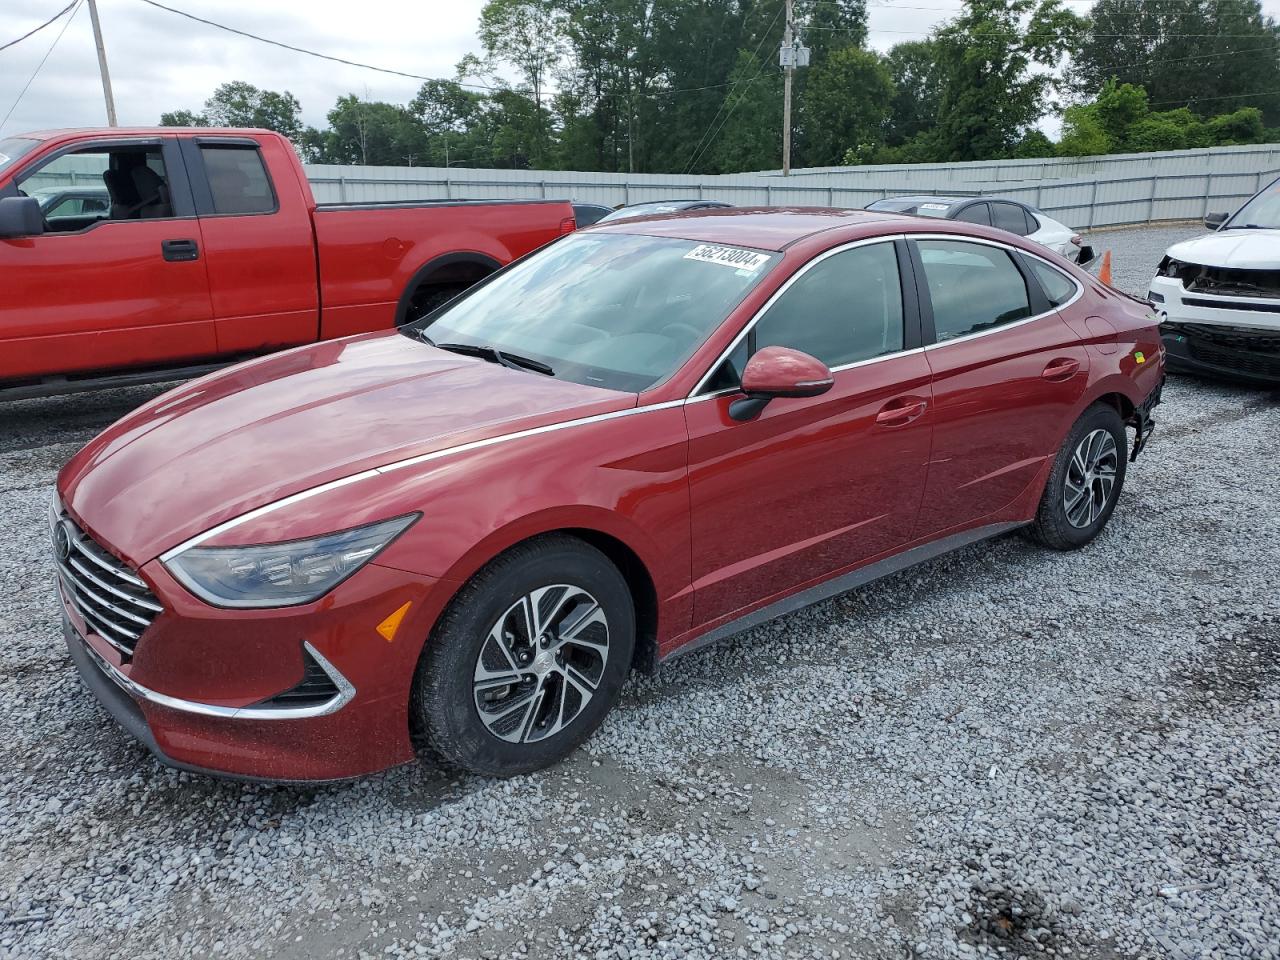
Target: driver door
[(812, 487), (100, 293)]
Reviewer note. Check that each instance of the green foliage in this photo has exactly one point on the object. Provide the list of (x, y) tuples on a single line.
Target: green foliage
[(1208, 55), (694, 86), (240, 104), (846, 101)]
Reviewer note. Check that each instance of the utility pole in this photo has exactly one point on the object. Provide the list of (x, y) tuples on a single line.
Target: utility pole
[(788, 58), (102, 64)]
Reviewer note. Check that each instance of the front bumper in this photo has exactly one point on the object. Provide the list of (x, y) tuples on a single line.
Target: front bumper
[(196, 690), (1239, 341)]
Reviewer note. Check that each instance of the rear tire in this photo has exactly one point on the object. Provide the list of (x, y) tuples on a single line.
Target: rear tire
[(1084, 483), (526, 661)]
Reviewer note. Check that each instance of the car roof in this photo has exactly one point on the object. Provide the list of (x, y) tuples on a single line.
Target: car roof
[(125, 133), (765, 228), (928, 198)]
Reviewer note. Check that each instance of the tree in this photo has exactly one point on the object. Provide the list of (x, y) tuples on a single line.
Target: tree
[(917, 98), (1207, 55), (993, 65), (240, 104), (370, 132), (846, 104), (529, 35), (749, 132)]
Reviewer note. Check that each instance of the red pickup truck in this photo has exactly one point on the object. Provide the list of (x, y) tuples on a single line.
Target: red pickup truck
[(211, 249)]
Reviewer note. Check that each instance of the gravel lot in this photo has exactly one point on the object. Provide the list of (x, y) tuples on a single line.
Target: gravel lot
[(1006, 752)]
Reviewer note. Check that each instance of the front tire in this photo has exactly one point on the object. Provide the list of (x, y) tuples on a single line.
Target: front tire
[(526, 661), (1085, 481)]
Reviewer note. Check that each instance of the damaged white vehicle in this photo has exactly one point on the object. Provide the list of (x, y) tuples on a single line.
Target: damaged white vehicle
[(1218, 296)]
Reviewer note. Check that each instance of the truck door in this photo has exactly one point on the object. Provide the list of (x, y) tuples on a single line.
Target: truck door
[(258, 241), (114, 288)]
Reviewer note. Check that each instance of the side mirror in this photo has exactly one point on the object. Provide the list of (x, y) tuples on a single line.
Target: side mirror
[(20, 217), (779, 372), (1214, 220)]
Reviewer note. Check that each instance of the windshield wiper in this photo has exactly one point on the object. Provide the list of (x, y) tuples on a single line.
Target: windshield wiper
[(511, 360)]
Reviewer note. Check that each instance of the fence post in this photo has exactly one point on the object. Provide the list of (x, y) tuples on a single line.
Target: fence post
[(542, 185), (1093, 204), (342, 189), (448, 187), (831, 196), (768, 194), (1151, 201)]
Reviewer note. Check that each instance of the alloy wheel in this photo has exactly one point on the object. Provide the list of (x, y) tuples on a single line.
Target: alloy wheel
[(1091, 478), (541, 663)]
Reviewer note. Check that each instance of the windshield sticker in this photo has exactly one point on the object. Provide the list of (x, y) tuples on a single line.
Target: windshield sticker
[(747, 261), (933, 206)]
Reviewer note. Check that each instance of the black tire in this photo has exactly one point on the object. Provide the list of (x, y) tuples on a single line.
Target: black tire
[(444, 713), (1052, 526)]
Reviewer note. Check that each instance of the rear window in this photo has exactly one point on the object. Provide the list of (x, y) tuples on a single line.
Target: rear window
[(237, 179), (1057, 287)]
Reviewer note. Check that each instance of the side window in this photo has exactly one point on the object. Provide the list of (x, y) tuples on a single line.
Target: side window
[(973, 287), (1008, 216), (1057, 287), (132, 179), (237, 179), (976, 213), (1032, 223), (844, 309)]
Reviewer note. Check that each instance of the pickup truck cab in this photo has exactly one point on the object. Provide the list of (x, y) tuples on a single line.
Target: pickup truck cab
[(213, 249)]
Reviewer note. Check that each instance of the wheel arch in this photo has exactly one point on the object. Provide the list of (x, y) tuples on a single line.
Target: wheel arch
[(468, 266), (600, 531)]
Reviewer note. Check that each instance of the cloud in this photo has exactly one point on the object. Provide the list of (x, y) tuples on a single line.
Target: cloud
[(161, 62)]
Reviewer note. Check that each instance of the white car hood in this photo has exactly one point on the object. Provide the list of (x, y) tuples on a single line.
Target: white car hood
[(1240, 249)]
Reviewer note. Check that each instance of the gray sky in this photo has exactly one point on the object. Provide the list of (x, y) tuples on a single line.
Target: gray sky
[(160, 61)]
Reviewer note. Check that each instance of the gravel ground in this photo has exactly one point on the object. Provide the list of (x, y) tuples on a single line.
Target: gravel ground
[(1004, 753), (1136, 251)]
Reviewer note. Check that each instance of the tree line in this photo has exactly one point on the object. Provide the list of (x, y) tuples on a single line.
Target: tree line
[(693, 86)]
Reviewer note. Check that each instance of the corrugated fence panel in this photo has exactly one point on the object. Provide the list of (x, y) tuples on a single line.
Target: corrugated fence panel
[(1082, 192)]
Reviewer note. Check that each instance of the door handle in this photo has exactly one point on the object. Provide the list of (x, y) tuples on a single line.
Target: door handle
[(897, 413), (1061, 369), (178, 251)]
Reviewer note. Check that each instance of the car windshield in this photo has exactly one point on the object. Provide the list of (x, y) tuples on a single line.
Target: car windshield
[(612, 310), (647, 209), (1262, 211), (14, 149)]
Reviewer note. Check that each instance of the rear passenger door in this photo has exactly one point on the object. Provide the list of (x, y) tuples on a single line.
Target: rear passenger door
[(1007, 372), (258, 244)]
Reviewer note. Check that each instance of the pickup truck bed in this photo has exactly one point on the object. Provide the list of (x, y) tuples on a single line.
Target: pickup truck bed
[(213, 249)]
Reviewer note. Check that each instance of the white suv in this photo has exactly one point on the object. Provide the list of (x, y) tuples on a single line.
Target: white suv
[(1218, 296)]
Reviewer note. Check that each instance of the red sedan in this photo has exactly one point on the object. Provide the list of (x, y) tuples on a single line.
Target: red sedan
[(640, 439)]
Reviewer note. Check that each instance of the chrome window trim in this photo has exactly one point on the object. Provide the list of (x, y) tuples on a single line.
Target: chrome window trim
[(983, 241), (335, 703), (774, 297)]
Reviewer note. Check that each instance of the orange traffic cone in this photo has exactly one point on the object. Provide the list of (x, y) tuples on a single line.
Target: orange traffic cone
[(1105, 273)]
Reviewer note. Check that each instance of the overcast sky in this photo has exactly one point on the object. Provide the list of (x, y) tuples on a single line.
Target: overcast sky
[(160, 61)]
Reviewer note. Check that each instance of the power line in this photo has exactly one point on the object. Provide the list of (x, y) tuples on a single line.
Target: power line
[(31, 33), (701, 147), (40, 66), (1230, 96), (314, 53)]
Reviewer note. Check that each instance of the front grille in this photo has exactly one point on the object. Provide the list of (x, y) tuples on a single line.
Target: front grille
[(113, 600), (1235, 338), (1259, 364)]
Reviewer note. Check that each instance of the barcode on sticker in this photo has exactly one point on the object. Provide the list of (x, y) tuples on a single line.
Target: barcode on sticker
[(728, 256)]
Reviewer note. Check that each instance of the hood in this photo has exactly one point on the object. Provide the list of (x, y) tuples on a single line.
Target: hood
[(1238, 249), (220, 446)]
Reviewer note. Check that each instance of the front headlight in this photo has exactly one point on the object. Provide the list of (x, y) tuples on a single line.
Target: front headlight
[(282, 574)]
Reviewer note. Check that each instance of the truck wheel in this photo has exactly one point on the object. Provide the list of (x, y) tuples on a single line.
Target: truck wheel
[(526, 661), (1085, 481), (430, 298)]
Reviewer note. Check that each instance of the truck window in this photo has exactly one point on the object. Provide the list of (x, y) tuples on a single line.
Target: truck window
[(134, 177), (237, 179)]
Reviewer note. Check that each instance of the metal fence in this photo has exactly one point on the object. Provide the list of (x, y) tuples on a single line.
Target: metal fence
[(1082, 192)]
